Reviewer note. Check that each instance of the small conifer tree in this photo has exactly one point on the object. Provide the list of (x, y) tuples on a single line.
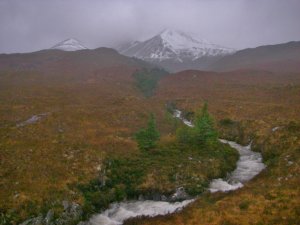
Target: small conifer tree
[(204, 129), (202, 133), (147, 138)]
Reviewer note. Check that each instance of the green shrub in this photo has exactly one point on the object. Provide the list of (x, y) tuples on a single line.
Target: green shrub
[(7, 218), (202, 134), (244, 205), (293, 127), (226, 122), (184, 135)]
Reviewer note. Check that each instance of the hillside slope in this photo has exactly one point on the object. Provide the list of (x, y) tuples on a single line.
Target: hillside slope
[(278, 58), (61, 114)]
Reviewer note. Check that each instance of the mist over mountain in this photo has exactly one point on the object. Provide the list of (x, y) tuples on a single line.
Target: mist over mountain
[(31, 25), (176, 50)]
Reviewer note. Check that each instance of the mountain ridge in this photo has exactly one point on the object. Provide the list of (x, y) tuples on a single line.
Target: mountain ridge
[(284, 57), (176, 50), (70, 44)]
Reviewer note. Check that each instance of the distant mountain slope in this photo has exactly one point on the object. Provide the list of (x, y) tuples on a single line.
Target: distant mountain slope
[(176, 50), (278, 58), (70, 44), (64, 66), (52, 58)]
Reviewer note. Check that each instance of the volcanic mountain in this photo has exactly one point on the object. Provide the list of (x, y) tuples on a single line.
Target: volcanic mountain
[(176, 51)]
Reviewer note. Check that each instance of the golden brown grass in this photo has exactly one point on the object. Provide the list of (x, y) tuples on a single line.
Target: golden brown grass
[(92, 117), (270, 198), (259, 102)]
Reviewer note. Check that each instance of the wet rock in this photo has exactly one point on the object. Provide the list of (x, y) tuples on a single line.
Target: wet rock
[(156, 197), (83, 223), (49, 217), (141, 198), (164, 198), (65, 205), (34, 221), (72, 213), (179, 195)]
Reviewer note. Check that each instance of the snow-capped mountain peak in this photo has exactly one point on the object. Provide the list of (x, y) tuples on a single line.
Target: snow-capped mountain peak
[(180, 40), (70, 44), (174, 45)]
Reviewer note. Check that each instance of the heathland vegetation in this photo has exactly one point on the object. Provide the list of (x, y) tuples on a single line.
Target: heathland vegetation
[(146, 80), (161, 166), (84, 150)]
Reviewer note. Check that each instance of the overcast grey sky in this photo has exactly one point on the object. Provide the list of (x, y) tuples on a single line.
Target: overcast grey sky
[(30, 25)]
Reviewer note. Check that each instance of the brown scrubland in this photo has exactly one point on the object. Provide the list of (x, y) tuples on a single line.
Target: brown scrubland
[(93, 108)]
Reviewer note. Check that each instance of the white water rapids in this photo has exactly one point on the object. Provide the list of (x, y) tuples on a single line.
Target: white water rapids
[(248, 165)]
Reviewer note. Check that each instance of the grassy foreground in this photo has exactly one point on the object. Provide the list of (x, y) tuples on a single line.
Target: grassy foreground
[(42, 164), (62, 156), (270, 198), (157, 171)]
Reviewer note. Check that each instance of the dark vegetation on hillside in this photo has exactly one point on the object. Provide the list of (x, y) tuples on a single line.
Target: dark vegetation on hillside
[(146, 80)]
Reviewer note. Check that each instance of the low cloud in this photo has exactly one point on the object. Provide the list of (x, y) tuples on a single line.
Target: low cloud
[(38, 24)]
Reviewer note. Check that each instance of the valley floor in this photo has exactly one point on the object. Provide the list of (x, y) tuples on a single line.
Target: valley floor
[(83, 123)]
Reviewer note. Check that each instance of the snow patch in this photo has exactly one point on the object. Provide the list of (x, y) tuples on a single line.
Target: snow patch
[(31, 120), (175, 45), (275, 128), (70, 44)]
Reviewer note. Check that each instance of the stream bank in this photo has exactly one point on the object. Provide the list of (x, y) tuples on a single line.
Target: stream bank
[(249, 165)]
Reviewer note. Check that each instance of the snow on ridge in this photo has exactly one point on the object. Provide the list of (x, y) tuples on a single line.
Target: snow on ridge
[(175, 45), (70, 44), (179, 41)]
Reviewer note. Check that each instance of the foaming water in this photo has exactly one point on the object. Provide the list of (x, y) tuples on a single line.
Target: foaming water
[(119, 212), (248, 165), (178, 114)]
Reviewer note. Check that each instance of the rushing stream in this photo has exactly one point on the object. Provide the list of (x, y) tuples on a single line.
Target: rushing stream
[(248, 165)]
